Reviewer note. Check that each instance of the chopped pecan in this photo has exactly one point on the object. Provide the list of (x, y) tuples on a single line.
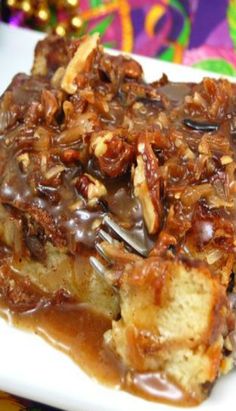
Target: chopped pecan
[(210, 97), (114, 154), (141, 191), (54, 171), (114, 69), (70, 156), (99, 143), (57, 77), (24, 161), (218, 144), (132, 68), (90, 188), (148, 186), (9, 112), (80, 61), (42, 139), (50, 54), (83, 125), (50, 105)]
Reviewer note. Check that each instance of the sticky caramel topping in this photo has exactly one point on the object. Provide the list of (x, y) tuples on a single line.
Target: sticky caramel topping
[(84, 135)]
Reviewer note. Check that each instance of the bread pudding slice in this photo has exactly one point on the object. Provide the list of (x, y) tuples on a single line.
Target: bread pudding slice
[(85, 135), (174, 318)]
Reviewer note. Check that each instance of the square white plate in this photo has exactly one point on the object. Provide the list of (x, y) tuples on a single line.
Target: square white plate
[(30, 367)]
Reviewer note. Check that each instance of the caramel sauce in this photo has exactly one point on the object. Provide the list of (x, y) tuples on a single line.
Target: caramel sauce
[(77, 330), (155, 387)]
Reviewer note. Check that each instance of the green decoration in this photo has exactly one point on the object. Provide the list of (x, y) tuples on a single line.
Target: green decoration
[(95, 3), (53, 17), (183, 38), (220, 66), (110, 44), (231, 17), (178, 5), (102, 25), (168, 54)]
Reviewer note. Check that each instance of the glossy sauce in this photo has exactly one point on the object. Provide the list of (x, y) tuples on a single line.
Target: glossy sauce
[(78, 331)]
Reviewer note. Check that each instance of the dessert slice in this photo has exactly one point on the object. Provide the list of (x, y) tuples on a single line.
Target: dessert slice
[(85, 135), (174, 319)]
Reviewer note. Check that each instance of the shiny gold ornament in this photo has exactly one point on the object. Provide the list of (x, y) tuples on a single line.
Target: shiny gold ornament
[(60, 30), (76, 22), (71, 3), (26, 6), (43, 14), (41, 11), (11, 3)]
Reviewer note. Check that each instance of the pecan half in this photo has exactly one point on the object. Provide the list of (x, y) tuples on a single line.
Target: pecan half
[(79, 62), (148, 186), (90, 188)]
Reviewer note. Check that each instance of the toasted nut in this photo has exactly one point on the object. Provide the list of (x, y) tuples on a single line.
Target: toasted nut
[(203, 146), (24, 160), (68, 108), (189, 154), (95, 189), (40, 66), (70, 155), (132, 68), (99, 143), (43, 163), (49, 104), (90, 188), (193, 194), (213, 256), (78, 62), (163, 120), (198, 99), (42, 139), (141, 191), (52, 172), (57, 77), (226, 160)]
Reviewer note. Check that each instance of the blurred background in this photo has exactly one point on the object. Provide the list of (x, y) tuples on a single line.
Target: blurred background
[(200, 33)]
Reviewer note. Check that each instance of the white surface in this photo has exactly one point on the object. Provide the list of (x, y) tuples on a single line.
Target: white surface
[(28, 365)]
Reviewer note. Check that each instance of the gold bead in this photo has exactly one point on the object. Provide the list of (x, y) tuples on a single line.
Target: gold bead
[(72, 3), (76, 22), (43, 14), (26, 6), (60, 30), (11, 3)]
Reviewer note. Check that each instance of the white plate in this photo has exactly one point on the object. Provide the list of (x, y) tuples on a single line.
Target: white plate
[(30, 367)]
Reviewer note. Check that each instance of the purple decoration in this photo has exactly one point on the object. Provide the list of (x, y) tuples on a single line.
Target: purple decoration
[(138, 17), (220, 36), (17, 19), (177, 23), (208, 15)]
